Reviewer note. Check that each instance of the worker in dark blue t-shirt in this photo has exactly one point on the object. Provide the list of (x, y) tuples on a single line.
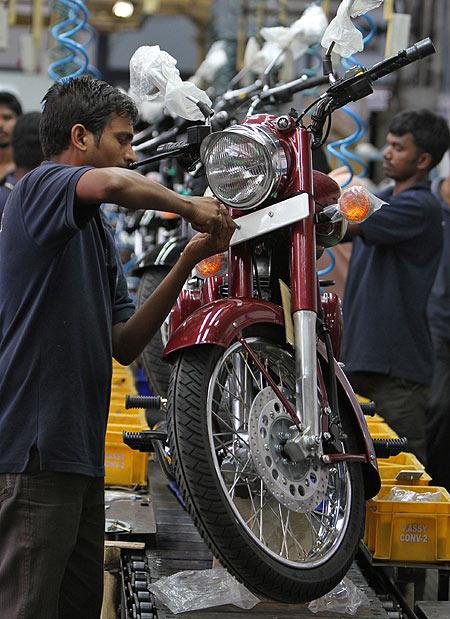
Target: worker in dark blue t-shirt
[(438, 418), (26, 152), (396, 252), (64, 312)]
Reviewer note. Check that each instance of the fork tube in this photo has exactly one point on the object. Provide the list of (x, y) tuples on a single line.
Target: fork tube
[(240, 285), (304, 293)]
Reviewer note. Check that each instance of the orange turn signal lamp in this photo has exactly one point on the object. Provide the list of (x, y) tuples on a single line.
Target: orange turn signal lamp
[(354, 204), (212, 266)]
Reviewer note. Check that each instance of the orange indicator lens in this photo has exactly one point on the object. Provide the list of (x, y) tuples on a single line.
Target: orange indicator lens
[(213, 265), (354, 204)]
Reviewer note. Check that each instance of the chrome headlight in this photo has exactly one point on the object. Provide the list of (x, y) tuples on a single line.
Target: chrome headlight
[(244, 165)]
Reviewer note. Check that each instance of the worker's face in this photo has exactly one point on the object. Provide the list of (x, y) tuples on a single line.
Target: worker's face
[(114, 148), (7, 121), (402, 158)]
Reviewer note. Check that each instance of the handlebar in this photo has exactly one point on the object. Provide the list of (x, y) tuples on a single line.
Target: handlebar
[(357, 83), (404, 57), (287, 90), (284, 92)]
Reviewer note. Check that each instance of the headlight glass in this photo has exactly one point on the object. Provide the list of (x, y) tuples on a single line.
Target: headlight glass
[(243, 164)]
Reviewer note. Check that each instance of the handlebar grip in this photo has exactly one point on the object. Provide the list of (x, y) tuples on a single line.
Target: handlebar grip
[(143, 401), (170, 146), (404, 57)]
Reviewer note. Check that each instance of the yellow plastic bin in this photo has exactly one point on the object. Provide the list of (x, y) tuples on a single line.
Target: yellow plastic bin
[(123, 466), (381, 430), (409, 531), (402, 464), (127, 420)]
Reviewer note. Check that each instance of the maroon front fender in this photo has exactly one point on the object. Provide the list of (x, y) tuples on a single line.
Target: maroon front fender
[(221, 321)]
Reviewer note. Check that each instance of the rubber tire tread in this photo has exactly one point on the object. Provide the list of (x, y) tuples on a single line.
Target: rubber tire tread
[(211, 514), (156, 369)]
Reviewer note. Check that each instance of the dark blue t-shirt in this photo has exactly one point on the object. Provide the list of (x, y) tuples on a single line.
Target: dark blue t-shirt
[(391, 272), (61, 290), (6, 186), (439, 303)]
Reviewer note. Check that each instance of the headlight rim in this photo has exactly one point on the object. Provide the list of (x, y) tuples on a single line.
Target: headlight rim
[(276, 161)]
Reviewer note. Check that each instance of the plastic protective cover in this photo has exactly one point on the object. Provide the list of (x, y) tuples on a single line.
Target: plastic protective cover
[(154, 76), (304, 32), (347, 38), (344, 598), (196, 589), (215, 60), (406, 496)]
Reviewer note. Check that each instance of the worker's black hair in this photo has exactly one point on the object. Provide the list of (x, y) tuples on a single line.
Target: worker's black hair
[(9, 100), (82, 100), (430, 132), (26, 147)]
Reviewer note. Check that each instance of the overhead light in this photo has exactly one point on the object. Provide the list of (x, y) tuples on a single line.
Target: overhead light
[(123, 8)]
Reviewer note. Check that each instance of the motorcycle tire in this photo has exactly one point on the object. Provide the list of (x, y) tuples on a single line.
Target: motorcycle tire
[(220, 522), (157, 370)]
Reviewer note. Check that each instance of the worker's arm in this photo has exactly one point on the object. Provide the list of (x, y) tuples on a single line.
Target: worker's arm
[(134, 192), (130, 338)]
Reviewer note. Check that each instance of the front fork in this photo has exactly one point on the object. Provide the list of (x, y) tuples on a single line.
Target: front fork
[(306, 394), (304, 305)]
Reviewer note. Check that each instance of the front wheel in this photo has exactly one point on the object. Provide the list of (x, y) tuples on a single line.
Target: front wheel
[(288, 530)]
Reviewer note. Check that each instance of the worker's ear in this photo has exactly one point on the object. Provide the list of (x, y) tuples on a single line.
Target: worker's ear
[(424, 161), (80, 137)]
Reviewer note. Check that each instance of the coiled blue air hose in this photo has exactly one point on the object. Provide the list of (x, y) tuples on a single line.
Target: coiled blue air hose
[(72, 56), (339, 148)]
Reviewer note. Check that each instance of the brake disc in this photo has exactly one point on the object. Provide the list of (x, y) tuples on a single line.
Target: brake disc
[(299, 486)]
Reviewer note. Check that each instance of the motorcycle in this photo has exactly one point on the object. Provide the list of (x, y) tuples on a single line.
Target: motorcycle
[(270, 446)]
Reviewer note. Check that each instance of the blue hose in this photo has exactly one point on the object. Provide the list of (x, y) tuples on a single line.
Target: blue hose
[(72, 56), (339, 148)]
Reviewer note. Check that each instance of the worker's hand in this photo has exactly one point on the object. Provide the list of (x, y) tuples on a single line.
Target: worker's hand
[(206, 244), (208, 215)]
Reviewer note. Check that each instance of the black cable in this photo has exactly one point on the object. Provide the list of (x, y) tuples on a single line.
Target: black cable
[(308, 108), (255, 271), (327, 132), (332, 385)]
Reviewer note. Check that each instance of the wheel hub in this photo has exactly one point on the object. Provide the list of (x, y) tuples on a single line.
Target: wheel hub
[(299, 486)]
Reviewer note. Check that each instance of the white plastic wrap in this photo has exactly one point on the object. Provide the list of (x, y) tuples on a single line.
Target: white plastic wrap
[(304, 32), (406, 496), (347, 38), (150, 111), (344, 598), (215, 60), (259, 60), (154, 76), (251, 50), (196, 589)]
